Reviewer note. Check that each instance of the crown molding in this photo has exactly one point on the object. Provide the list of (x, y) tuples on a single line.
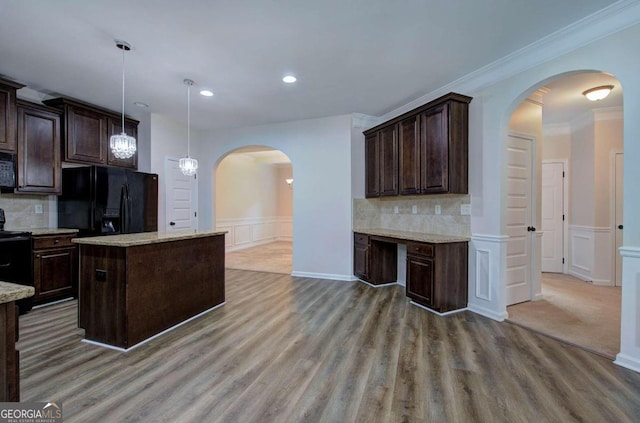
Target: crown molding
[(613, 18), (362, 121), (608, 113)]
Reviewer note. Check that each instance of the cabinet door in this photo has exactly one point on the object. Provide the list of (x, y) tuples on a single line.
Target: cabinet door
[(54, 273), (39, 167), (86, 136), (7, 118), (372, 166), (409, 135), (388, 140), (361, 261), (420, 280), (115, 127), (435, 149)]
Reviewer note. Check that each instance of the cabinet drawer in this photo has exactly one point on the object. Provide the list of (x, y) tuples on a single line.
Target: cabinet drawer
[(420, 249), (361, 239), (43, 242)]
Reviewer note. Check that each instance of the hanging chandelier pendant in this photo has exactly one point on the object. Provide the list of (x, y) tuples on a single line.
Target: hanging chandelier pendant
[(188, 165), (122, 145)]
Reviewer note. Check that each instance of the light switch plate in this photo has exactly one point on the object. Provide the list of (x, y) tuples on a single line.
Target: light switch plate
[(438, 209), (414, 209), (395, 210), (38, 208), (465, 209)]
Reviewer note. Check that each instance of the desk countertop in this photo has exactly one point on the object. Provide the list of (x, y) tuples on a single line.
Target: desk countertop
[(413, 236)]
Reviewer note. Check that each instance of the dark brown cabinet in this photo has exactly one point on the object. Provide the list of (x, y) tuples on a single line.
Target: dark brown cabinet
[(39, 166), (437, 275), (87, 130), (9, 356), (381, 163), (409, 134), (8, 115), (426, 150), (55, 268), (374, 261)]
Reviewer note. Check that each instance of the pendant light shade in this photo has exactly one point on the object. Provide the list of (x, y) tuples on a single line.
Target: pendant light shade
[(122, 145), (188, 165)]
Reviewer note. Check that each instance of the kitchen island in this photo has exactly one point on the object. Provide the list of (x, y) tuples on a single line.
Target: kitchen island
[(9, 356), (135, 286)]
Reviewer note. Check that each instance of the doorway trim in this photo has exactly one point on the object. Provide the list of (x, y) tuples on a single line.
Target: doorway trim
[(612, 214), (565, 211)]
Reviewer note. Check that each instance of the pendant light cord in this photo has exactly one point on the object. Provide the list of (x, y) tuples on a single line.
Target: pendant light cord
[(188, 118), (123, 49)]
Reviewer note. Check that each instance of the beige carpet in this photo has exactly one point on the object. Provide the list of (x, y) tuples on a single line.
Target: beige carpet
[(275, 257), (574, 311)]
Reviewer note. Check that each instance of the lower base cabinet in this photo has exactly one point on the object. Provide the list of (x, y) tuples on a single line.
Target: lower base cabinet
[(55, 268), (437, 275), (374, 261)]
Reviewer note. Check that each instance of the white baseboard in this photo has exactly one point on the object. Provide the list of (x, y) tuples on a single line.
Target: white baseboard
[(251, 245), (446, 313), (627, 361), (329, 276), (377, 286), (500, 317)]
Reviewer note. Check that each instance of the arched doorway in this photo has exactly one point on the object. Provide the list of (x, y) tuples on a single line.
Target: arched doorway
[(254, 204), (563, 172)]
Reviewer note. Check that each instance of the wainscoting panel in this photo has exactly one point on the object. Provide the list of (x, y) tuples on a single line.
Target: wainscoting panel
[(246, 233), (590, 254), (487, 275)]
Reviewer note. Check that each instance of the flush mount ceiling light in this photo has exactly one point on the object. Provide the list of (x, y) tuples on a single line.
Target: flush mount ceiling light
[(141, 104), (187, 165), (206, 93), (122, 145), (289, 79), (598, 93), (289, 181)]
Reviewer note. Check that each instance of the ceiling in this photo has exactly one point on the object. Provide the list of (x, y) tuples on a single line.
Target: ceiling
[(364, 56)]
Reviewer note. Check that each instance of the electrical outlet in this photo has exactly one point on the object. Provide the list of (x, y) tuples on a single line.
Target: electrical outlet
[(414, 209), (395, 210), (38, 208), (465, 209), (438, 210)]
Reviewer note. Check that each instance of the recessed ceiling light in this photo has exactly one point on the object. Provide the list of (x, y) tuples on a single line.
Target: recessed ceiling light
[(141, 104), (206, 93), (289, 79)]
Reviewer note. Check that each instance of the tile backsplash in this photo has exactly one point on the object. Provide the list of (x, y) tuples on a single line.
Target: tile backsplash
[(20, 211), (397, 213)]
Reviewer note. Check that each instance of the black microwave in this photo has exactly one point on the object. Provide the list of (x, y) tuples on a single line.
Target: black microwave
[(7, 172)]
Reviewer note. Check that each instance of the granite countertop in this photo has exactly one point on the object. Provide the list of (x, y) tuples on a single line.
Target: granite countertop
[(129, 240), (413, 236), (47, 231), (12, 292), (52, 231)]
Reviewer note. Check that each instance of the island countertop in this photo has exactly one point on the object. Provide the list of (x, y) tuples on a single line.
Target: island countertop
[(12, 292), (144, 238)]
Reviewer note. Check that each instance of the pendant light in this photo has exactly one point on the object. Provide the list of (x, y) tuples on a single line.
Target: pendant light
[(122, 145), (188, 166)]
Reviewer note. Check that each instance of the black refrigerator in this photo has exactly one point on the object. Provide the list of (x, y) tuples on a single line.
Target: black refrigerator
[(101, 200)]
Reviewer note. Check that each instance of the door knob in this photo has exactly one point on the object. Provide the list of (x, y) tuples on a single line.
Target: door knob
[(620, 226), (172, 223)]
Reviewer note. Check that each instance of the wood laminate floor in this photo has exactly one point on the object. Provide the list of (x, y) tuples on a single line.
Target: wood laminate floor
[(287, 349)]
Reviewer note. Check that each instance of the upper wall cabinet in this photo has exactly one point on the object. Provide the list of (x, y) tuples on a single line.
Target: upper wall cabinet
[(8, 115), (39, 167), (381, 163), (431, 149), (86, 133)]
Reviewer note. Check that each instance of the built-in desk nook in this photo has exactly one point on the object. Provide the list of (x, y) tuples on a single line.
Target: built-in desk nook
[(134, 286), (436, 265)]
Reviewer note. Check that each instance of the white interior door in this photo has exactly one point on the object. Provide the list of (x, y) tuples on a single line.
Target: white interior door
[(619, 159), (552, 216), (181, 195), (519, 218)]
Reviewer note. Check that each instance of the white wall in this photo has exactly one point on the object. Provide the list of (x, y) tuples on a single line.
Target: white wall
[(320, 153), (556, 142), (168, 139)]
